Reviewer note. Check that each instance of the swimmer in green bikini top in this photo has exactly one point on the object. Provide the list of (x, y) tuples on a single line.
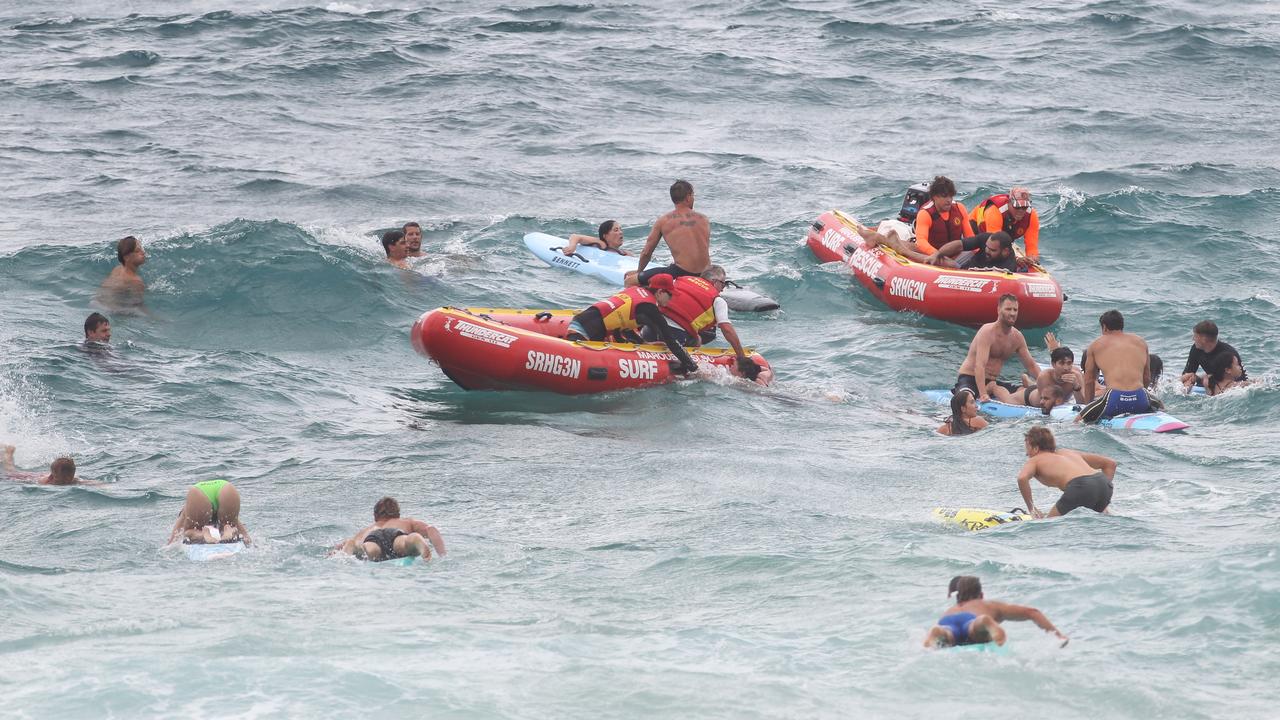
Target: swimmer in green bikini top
[(211, 514)]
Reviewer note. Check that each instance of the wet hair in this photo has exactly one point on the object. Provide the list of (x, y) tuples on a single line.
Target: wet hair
[(1062, 352), (605, 228), (1002, 237), (959, 426), (1206, 329), (125, 245), (386, 509), (1059, 395), (1112, 320), (389, 238), (965, 587), (1218, 367), (93, 322), (63, 471), (680, 190), (1157, 368), (1006, 296), (942, 187), (1041, 438), (406, 226), (713, 273)]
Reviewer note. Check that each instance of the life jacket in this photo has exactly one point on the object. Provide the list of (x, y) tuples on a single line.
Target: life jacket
[(1015, 228), (691, 305), (943, 231), (619, 310)]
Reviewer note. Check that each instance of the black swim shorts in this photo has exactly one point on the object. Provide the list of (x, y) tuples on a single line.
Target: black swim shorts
[(673, 270), (970, 384), (1089, 491), (385, 539)]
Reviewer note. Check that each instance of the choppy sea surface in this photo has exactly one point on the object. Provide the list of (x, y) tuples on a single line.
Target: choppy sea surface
[(697, 550)]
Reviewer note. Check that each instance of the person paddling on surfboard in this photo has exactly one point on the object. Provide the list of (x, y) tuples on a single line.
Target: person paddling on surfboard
[(391, 536), (211, 514), (974, 619), (609, 239), (993, 344), (688, 235), (62, 471), (1085, 479)]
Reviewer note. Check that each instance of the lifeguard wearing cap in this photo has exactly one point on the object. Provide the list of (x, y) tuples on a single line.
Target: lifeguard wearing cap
[(1010, 212)]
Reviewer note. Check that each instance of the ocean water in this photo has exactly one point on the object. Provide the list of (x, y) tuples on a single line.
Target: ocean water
[(696, 550)]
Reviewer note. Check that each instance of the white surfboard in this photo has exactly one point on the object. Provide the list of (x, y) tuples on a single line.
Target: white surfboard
[(612, 268)]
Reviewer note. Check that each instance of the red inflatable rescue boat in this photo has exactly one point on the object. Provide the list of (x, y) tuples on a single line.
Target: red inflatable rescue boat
[(500, 349), (965, 297)]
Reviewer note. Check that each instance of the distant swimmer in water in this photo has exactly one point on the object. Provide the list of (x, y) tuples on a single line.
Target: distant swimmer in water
[(391, 536), (1205, 347), (974, 619), (97, 329), (1225, 372), (964, 416), (211, 514), (61, 471), (1123, 360), (412, 239), (124, 288), (609, 239), (993, 344), (624, 314), (396, 247), (688, 235), (1085, 479)]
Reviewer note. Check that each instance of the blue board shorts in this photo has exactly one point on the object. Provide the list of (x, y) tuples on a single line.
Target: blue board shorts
[(958, 624), (1117, 402)]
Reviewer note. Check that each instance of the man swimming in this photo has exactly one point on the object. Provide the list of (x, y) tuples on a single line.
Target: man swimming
[(97, 328), (975, 620), (1124, 361), (391, 536), (412, 239), (397, 249), (62, 471), (1085, 479), (993, 344), (688, 235), (124, 286), (210, 514)]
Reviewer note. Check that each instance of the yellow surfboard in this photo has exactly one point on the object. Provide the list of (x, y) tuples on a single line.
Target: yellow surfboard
[(979, 518)]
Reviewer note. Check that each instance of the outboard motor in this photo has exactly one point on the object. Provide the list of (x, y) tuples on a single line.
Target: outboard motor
[(917, 195)]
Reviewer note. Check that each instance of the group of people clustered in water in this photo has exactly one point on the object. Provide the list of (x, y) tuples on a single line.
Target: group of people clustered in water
[(946, 234)]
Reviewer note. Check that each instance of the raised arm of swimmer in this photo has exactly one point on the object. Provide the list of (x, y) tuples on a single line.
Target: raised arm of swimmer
[(1006, 611), (1025, 356), (430, 533), (1024, 486), (981, 354), (650, 244)]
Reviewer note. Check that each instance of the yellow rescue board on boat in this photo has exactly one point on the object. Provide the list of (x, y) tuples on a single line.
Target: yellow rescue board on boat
[(979, 518)]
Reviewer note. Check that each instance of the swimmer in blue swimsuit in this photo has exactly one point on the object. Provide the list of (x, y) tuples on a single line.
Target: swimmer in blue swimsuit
[(976, 620)]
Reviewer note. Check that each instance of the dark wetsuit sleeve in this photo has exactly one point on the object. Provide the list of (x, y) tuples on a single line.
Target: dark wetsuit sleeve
[(974, 242), (649, 314), (1193, 360)]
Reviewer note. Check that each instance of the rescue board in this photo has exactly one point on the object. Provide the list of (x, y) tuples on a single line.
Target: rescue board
[(979, 518), (206, 552), (986, 647), (1147, 422), (612, 268)]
